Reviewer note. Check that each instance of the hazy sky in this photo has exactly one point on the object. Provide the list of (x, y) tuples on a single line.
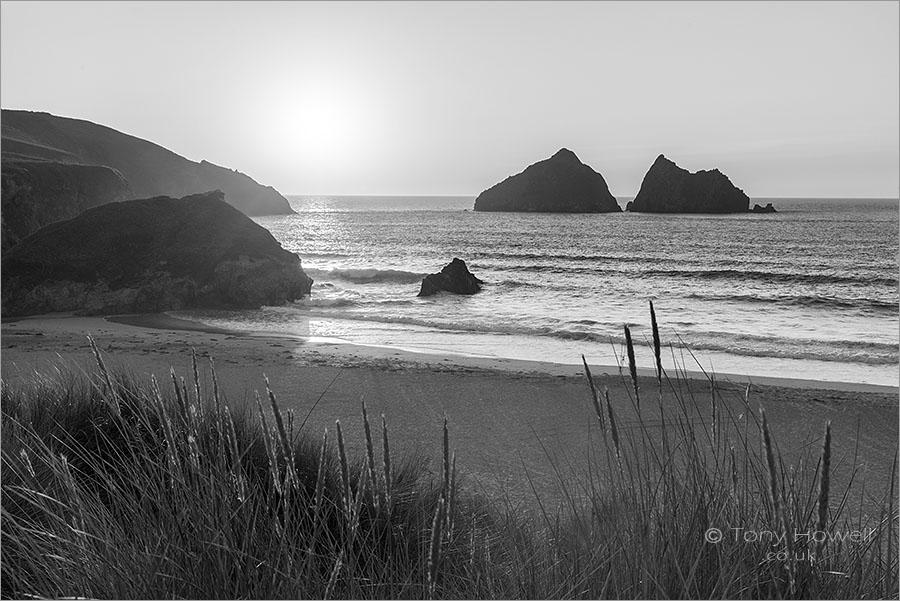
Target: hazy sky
[(787, 99)]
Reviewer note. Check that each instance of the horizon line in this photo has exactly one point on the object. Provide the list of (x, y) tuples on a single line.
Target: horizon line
[(473, 196)]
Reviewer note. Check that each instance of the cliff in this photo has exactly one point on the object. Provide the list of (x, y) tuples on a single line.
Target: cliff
[(35, 194), (149, 169), (560, 184), (150, 255), (667, 188)]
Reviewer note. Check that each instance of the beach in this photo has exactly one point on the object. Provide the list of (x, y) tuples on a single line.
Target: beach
[(519, 429)]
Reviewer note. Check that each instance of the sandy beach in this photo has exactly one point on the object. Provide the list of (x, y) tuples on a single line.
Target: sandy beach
[(517, 427)]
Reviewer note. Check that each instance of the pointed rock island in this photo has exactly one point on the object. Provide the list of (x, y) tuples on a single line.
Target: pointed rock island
[(667, 188), (560, 184), (148, 256)]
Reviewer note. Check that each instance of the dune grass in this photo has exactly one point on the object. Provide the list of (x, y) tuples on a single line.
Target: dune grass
[(114, 488)]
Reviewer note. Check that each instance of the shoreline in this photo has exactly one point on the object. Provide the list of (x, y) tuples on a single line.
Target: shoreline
[(342, 348), (513, 423)]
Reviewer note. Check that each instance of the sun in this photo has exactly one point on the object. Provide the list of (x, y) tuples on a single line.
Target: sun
[(320, 122), (328, 121)]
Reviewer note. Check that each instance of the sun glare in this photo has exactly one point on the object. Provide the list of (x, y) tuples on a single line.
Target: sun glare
[(320, 123)]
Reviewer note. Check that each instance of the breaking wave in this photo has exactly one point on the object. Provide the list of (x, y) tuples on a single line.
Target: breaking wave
[(823, 302), (363, 275)]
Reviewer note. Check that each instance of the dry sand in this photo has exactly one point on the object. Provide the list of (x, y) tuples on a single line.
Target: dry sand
[(515, 425)]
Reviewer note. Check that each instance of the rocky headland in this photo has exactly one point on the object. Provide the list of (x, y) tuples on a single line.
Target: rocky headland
[(37, 193), (667, 188), (560, 184), (150, 255), (455, 277), (55, 167)]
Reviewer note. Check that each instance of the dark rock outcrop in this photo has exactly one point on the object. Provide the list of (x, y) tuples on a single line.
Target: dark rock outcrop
[(36, 193), (667, 188), (148, 169), (560, 184), (766, 209), (454, 277), (150, 255)]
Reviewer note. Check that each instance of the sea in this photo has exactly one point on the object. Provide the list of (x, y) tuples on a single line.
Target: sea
[(809, 292)]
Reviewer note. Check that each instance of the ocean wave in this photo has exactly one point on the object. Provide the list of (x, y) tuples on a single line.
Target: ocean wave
[(740, 275), (324, 302), (846, 351), (514, 284), (300, 307), (529, 256), (729, 343), (609, 259), (749, 345), (863, 304), (307, 255), (771, 276), (365, 275), (343, 300)]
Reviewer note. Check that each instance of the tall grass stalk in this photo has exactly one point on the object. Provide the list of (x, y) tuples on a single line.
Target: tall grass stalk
[(890, 581), (434, 546), (196, 373), (104, 374), (824, 480), (345, 473), (386, 464), (595, 395), (377, 491), (657, 344), (632, 367)]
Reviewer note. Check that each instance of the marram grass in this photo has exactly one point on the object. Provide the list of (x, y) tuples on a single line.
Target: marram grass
[(113, 488)]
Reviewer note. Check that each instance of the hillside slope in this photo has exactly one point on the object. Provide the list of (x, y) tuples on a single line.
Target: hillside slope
[(148, 169), (150, 255)]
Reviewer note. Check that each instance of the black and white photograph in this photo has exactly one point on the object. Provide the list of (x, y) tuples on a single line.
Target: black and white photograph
[(450, 299)]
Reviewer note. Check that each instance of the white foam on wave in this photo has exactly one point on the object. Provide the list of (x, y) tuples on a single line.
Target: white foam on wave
[(367, 275)]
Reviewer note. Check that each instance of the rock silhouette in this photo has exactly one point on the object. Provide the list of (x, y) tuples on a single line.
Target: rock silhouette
[(560, 184), (37, 193), (55, 167), (455, 277), (150, 255), (667, 188)]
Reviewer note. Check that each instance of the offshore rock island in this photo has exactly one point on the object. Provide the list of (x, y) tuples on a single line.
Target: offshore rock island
[(55, 167), (455, 277), (764, 209), (667, 188), (151, 255), (560, 184)]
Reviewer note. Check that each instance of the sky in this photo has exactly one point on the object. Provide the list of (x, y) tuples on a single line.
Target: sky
[(789, 99)]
